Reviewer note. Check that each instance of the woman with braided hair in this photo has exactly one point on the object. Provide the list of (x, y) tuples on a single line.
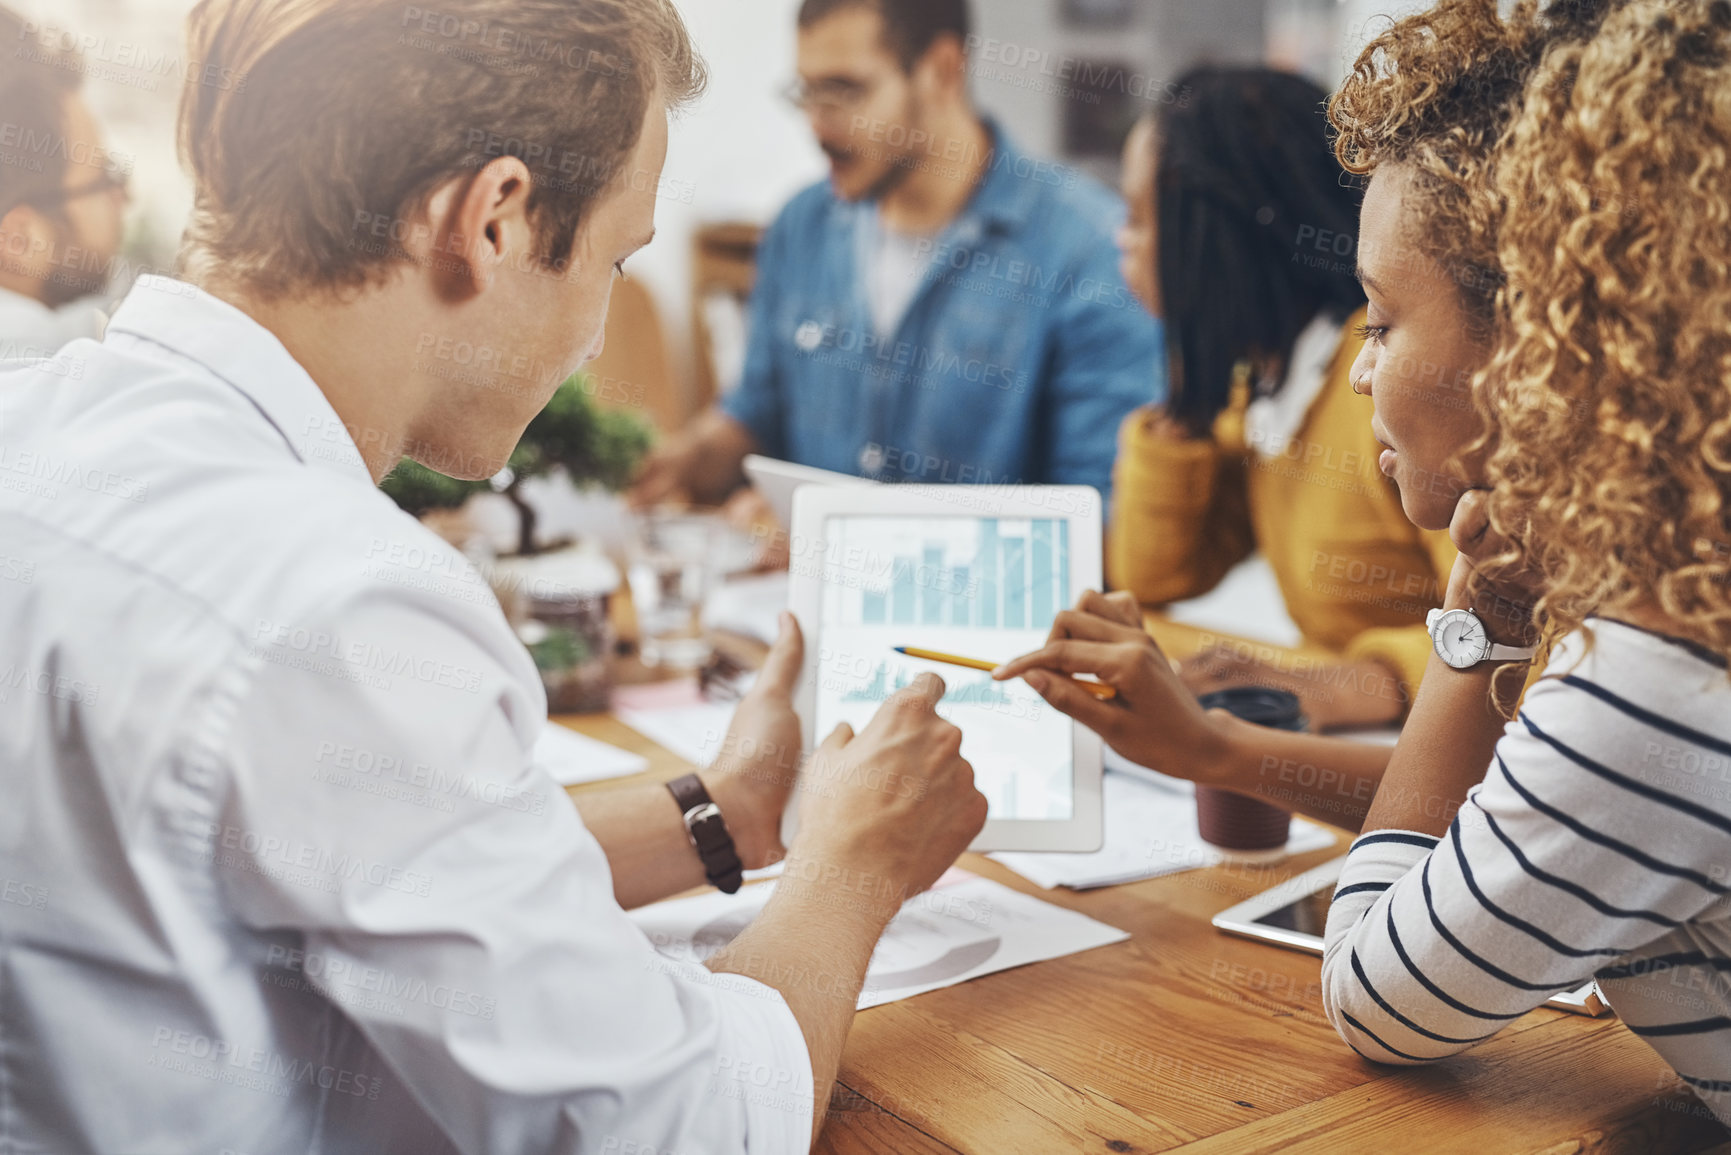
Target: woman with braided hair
[(1240, 237)]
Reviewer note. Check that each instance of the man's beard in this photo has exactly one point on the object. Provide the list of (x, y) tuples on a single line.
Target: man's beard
[(69, 280), (901, 163)]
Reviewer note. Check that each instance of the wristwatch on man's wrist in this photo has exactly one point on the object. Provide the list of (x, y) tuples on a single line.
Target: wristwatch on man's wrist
[(708, 833), (1459, 638)]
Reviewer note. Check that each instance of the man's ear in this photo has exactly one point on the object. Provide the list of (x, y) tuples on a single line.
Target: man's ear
[(27, 236), (480, 226), (944, 68)]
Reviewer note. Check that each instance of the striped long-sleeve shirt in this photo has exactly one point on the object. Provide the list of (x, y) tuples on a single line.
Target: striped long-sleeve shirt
[(1598, 845)]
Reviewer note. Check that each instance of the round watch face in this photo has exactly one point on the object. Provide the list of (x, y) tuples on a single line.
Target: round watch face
[(1460, 639)]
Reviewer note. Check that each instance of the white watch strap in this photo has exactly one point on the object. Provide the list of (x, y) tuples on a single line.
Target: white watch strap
[(1501, 653)]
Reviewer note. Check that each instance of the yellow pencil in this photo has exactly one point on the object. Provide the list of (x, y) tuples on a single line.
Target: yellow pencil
[(1099, 689)]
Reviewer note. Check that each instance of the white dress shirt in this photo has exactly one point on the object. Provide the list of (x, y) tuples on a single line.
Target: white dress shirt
[(29, 329), (276, 871)]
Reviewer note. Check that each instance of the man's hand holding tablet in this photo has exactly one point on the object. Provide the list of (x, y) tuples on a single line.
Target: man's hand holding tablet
[(895, 803)]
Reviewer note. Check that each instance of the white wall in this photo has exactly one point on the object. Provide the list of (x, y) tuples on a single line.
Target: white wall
[(738, 154)]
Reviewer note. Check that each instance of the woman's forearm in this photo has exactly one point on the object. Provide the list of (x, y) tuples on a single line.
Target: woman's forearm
[(1332, 780), (1449, 739)]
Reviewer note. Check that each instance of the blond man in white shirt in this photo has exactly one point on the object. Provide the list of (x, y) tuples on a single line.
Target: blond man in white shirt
[(276, 871)]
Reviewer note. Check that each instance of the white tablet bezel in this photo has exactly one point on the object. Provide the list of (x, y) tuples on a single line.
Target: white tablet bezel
[(1080, 505), (1242, 919), (779, 480)]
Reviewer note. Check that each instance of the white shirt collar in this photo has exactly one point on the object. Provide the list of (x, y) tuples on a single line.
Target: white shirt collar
[(1271, 422), (190, 322), (30, 330)]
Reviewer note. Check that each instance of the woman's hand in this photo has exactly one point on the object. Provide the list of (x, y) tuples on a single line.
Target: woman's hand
[(1501, 598), (1154, 720)]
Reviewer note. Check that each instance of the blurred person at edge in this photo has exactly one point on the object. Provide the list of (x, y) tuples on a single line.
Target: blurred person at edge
[(282, 872), (1262, 444), (944, 308), (62, 193)]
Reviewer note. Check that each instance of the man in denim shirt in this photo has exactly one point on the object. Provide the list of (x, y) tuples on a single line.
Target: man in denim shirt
[(945, 308)]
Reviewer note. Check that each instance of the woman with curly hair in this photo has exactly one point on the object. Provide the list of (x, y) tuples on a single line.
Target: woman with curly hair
[(1582, 238), (1596, 843)]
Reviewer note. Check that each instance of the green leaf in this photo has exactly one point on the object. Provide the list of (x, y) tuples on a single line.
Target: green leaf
[(595, 446)]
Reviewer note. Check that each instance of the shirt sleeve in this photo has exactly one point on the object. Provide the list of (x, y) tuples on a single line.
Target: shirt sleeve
[(1108, 357), (1545, 877), (757, 402), (1404, 649), (385, 810), (1180, 513)]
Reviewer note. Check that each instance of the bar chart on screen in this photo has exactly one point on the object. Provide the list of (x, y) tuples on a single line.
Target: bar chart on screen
[(980, 586)]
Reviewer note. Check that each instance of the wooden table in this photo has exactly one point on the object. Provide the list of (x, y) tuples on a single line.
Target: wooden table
[(1185, 1039)]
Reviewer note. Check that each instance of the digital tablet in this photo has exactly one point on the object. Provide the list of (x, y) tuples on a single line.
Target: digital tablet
[(776, 481), (975, 571), (1295, 914)]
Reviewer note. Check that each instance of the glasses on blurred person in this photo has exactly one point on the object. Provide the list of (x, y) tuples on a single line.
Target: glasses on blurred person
[(830, 97), (109, 180)]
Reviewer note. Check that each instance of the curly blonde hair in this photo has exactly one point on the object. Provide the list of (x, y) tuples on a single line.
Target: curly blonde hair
[(1436, 92), (1608, 395)]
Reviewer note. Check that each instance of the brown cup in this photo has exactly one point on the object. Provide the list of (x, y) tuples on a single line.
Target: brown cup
[(1235, 822)]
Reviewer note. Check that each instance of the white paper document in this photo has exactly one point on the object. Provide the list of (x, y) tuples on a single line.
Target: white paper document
[(674, 715), (571, 757), (1150, 831), (964, 927), (747, 605)]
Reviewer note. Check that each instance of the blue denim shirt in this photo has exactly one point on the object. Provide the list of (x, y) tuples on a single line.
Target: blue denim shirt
[(1016, 360)]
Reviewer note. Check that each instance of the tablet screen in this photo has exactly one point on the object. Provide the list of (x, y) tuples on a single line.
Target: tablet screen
[(1306, 915), (978, 587)]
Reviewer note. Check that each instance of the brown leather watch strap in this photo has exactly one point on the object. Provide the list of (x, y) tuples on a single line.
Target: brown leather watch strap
[(708, 833)]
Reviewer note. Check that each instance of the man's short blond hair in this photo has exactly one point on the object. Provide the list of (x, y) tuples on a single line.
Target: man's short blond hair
[(318, 128)]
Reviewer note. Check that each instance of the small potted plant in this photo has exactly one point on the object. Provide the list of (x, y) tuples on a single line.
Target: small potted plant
[(592, 445), (560, 599)]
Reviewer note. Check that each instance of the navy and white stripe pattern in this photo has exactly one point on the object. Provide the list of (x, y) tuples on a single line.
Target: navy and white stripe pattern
[(1599, 844)]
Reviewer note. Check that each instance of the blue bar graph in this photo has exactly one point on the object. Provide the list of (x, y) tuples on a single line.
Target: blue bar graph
[(987, 565), (1064, 599), (1014, 575), (1015, 583), (959, 599), (1040, 584), (902, 592), (931, 582)]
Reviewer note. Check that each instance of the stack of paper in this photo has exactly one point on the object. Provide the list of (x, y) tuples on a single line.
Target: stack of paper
[(964, 927), (1150, 831)]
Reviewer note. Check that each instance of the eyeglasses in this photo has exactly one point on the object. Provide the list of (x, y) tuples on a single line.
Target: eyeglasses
[(111, 180), (830, 96)]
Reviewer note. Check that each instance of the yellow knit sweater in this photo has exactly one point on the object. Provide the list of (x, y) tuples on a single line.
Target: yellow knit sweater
[(1357, 576)]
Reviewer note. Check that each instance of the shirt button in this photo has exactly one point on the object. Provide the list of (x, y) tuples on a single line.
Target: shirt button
[(808, 336), (871, 458)]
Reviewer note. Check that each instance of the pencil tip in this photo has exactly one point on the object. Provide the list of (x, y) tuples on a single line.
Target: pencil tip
[(900, 649)]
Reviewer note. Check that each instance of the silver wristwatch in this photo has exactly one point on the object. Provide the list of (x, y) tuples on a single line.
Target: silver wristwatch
[(1459, 638)]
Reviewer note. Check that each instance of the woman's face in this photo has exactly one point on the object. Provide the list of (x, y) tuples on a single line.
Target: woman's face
[(1137, 239), (1419, 355)]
